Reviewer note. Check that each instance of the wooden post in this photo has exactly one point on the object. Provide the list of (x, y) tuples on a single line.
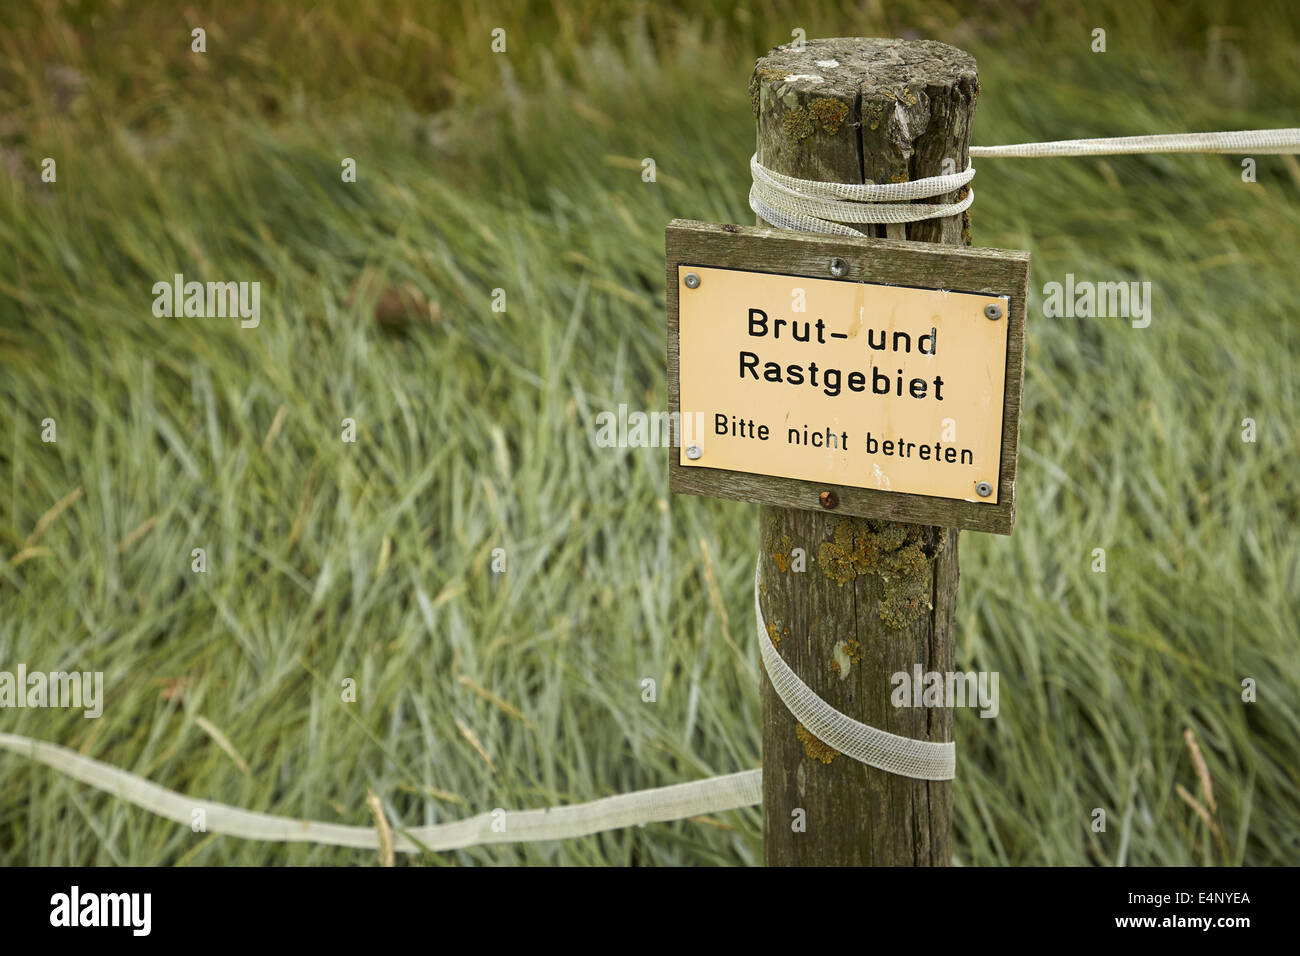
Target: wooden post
[(876, 597)]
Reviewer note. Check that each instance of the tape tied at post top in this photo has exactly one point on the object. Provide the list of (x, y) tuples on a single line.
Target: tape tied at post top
[(809, 205)]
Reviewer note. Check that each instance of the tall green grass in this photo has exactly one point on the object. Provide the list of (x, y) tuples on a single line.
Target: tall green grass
[(372, 561)]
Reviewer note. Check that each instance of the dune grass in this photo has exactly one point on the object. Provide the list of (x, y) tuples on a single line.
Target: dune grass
[(372, 561)]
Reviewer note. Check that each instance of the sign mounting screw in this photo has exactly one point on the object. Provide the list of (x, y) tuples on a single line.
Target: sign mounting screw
[(694, 451), (984, 489), (692, 280), (829, 499), (993, 312), (839, 267)]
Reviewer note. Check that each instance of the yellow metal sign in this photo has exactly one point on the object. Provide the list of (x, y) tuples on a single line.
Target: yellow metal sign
[(841, 382)]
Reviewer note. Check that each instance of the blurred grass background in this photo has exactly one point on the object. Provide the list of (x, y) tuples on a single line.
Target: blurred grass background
[(522, 171)]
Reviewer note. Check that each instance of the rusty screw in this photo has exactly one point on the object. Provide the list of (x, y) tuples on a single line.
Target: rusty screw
[(829, 499)]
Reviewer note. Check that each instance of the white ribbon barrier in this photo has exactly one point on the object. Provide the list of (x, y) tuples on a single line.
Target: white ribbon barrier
[(808, 205), (661, 804), (905, 756), (811, 206), (1265, 142)]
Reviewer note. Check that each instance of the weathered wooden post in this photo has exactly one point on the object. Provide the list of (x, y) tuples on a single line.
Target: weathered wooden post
[(877, 597), (866, 394)]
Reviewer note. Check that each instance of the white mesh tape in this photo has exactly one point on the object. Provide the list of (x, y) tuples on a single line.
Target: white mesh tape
[(682, 800), (812, 206), (1263, 141), (808, 205), (905, 756)]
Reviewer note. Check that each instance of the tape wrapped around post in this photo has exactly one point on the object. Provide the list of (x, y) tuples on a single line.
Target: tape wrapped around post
[(904, 756), (809, 205)]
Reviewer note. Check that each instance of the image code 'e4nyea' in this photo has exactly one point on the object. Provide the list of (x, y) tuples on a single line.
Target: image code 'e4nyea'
[(893, 380)]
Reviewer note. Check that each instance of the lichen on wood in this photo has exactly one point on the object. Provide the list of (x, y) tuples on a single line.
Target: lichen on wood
[(798, 123), (873, 113), (756, 82), (901, 554), (813, 747), (830, 113)]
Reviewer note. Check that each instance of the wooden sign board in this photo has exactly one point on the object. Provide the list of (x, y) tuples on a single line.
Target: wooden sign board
[(877, 377)]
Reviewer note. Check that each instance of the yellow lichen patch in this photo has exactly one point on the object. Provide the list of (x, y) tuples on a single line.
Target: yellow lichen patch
[(842, 663), (896, 552), (781, 562), (756, 82), (830, 113), (853, 650), (798, 123), (813, 747), (873, 113), (823, 113), (905, 95), (774, 632)]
